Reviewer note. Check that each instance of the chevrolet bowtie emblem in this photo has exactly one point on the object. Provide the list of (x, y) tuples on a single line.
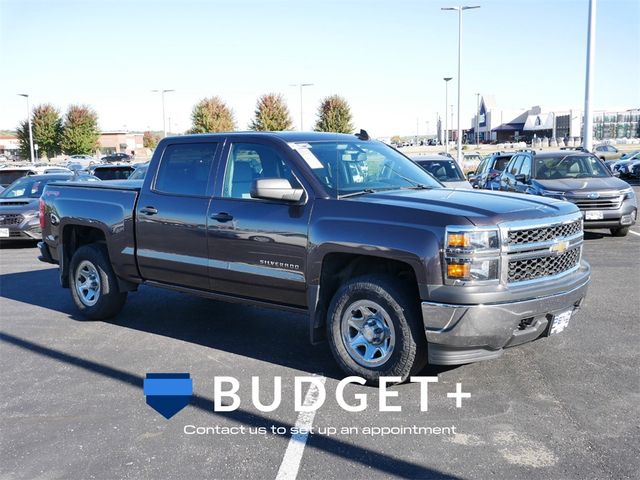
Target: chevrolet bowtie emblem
[(559, 247)]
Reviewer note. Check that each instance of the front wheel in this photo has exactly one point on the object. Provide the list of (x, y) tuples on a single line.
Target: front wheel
[(619, 231), (94, 287), (374, 329)]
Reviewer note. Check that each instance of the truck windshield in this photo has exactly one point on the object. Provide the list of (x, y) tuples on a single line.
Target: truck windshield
[(569, 166), (346, 168)]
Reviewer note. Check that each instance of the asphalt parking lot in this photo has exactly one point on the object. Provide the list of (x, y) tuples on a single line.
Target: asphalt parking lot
[(73, 406)]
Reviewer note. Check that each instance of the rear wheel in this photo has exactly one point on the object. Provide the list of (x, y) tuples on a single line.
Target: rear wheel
[(94, 287), (619, 231), (374, 329)]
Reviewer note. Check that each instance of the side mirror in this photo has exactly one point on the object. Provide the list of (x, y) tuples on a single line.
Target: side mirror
[(616, 173), (521, 177), (471, 177), (276, 189)]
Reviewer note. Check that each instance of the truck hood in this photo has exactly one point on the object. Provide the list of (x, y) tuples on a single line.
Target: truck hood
[(18, 205), (480, 207), (583, 184)]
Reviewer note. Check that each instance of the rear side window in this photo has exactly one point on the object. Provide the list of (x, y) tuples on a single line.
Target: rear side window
[(108, 173), (185, 169), (500, 163)]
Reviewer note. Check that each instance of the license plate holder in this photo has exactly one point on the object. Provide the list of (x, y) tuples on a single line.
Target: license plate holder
[(560, 321), (593, 215), (4, 233)]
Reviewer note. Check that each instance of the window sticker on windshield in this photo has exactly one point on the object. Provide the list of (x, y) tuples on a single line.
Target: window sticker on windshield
[(306, 154)]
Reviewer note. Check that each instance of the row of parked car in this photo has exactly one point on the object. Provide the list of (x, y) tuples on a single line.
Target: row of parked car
[(572, 175), (21, 187)]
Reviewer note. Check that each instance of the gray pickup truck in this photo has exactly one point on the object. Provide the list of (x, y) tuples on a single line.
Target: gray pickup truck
[(393, 269)]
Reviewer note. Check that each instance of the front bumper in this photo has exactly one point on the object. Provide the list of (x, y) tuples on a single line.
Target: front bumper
[(458, 333), (612, 218), (29, 232)]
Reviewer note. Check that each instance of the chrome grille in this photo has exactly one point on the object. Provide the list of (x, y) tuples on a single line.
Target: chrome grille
[(546, 266), (534, 235), (11, 219), (602, 203)]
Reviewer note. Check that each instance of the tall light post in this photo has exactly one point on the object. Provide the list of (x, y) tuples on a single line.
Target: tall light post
[(459, 9), (477, 119), (587, 133), (301, 85), (164, 118), (452, 122), (446, 103), (26, 95)]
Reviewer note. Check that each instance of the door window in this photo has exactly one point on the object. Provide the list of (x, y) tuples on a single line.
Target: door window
[(515, 165), (185, 169), (248, 162), (525, 169)]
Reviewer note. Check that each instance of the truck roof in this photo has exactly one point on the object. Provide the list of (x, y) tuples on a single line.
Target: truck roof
[(287, 136)]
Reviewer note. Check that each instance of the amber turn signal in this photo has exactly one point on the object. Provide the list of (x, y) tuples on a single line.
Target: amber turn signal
[(458, 270), (458, 240)]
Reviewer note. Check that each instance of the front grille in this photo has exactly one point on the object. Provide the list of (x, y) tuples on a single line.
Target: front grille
[(602, 203), (11, 219), (534, 235), (546, 266)]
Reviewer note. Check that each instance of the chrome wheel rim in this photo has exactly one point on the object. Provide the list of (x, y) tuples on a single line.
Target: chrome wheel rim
[(87, 283), (368, 333)]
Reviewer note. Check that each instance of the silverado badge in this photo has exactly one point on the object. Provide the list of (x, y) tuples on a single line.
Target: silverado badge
[(559, 247)]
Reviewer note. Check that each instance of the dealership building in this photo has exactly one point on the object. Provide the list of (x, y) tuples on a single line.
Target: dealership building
[(502, 125)]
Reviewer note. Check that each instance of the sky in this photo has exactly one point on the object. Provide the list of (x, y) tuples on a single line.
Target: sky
[(386, 58)]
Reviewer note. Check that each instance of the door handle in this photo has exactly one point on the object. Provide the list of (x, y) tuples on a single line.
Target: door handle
[(222, 217), (149, 210)]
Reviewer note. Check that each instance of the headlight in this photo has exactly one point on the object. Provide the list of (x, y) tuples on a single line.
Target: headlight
[(628, 193), (471, 255)]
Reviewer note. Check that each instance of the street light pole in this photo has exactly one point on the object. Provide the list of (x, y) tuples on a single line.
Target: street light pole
[(477, 120), (587, 134), (459, 9), (26, 95), (164, 118), (446, 124), (301, 85)]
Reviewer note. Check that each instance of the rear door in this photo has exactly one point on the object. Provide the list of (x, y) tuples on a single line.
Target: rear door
[(171, 216), (257, 247)]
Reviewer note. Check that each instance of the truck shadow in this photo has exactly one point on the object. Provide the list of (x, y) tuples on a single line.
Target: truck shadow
[(281, 338)]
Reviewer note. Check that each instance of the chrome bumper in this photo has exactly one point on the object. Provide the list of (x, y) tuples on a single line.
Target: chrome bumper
[(458, 334)]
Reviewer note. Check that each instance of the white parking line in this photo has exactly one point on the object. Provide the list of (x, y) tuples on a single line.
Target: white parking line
[(293, 455), (635, 233)]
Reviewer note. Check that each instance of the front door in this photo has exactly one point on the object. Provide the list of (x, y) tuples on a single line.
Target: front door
[(171, 227), (257, 248)]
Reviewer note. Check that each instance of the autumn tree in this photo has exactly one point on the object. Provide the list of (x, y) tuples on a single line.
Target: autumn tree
[(80, 131), (150, 139), (334, 115), (271, 114), (212, 115), (46, 126)]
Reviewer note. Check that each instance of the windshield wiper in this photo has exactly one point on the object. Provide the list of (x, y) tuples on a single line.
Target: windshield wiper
[(359, 192)]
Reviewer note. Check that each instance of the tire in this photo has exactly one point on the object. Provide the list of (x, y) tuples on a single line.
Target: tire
[(619, 231), (364, 305), (90, 266)]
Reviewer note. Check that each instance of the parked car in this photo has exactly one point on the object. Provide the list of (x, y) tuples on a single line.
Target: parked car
[(620, 167), (8, 175), (116, 157), (626, 169), (139, 172), (631, 155), (45, 169), (85, 160), (607, 152), (76, 167), (112, 171), (581, 178), (445, 170), (19, 210), (635, 171), (470, 162), (394, 271), (487, 175)]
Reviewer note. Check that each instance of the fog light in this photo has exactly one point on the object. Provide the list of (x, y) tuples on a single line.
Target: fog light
[(627, 219)]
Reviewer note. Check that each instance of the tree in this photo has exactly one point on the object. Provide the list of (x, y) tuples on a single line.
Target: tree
[(271, 114), (150, 139), (212, 115), (396, 139), (80, 131), (334, 115), (46, 126)]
